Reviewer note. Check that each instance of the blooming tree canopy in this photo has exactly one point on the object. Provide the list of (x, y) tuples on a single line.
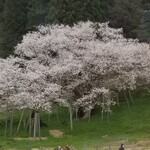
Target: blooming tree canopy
[(23, 84), (89, 60)]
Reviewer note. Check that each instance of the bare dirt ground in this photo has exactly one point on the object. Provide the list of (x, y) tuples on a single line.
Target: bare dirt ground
[(30, 138), (56, 133), (140, 145)]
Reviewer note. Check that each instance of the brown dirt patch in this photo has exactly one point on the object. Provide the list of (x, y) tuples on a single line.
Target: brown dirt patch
[(56, 133), (143, 143), (140, 145), (50, 148), (30, 138)]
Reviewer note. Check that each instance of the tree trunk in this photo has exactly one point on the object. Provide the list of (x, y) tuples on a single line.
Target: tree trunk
[(6, 123), (57, 115), (11, 123), (130, 96), (108, 115), (49, 117), (30, 124), (20, 122), (89, 115), (35, 124), (102, 115), (76, 114), (71, 120), (117, 96), (86, 115), (39, 126), (127, 101)]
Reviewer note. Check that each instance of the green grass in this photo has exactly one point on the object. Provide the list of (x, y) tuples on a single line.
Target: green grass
[(123, 124)]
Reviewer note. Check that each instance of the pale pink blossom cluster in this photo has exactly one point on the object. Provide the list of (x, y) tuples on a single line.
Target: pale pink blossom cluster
[(23, 84)]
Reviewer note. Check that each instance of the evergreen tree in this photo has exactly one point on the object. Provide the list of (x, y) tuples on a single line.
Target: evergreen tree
[(106, 6), (13, 25), (126, 14), (1, 10), (73, 11), (144, 31), (146, 4), (37, 11), (145, 27)]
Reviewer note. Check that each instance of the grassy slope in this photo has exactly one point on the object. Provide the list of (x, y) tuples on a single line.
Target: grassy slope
[(134, 126)]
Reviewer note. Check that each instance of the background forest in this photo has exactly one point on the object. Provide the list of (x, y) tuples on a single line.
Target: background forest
[(17, 17)]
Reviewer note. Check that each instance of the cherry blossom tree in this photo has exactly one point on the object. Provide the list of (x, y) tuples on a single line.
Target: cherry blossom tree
[(78, 66), (24, 85), (91, 55)]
